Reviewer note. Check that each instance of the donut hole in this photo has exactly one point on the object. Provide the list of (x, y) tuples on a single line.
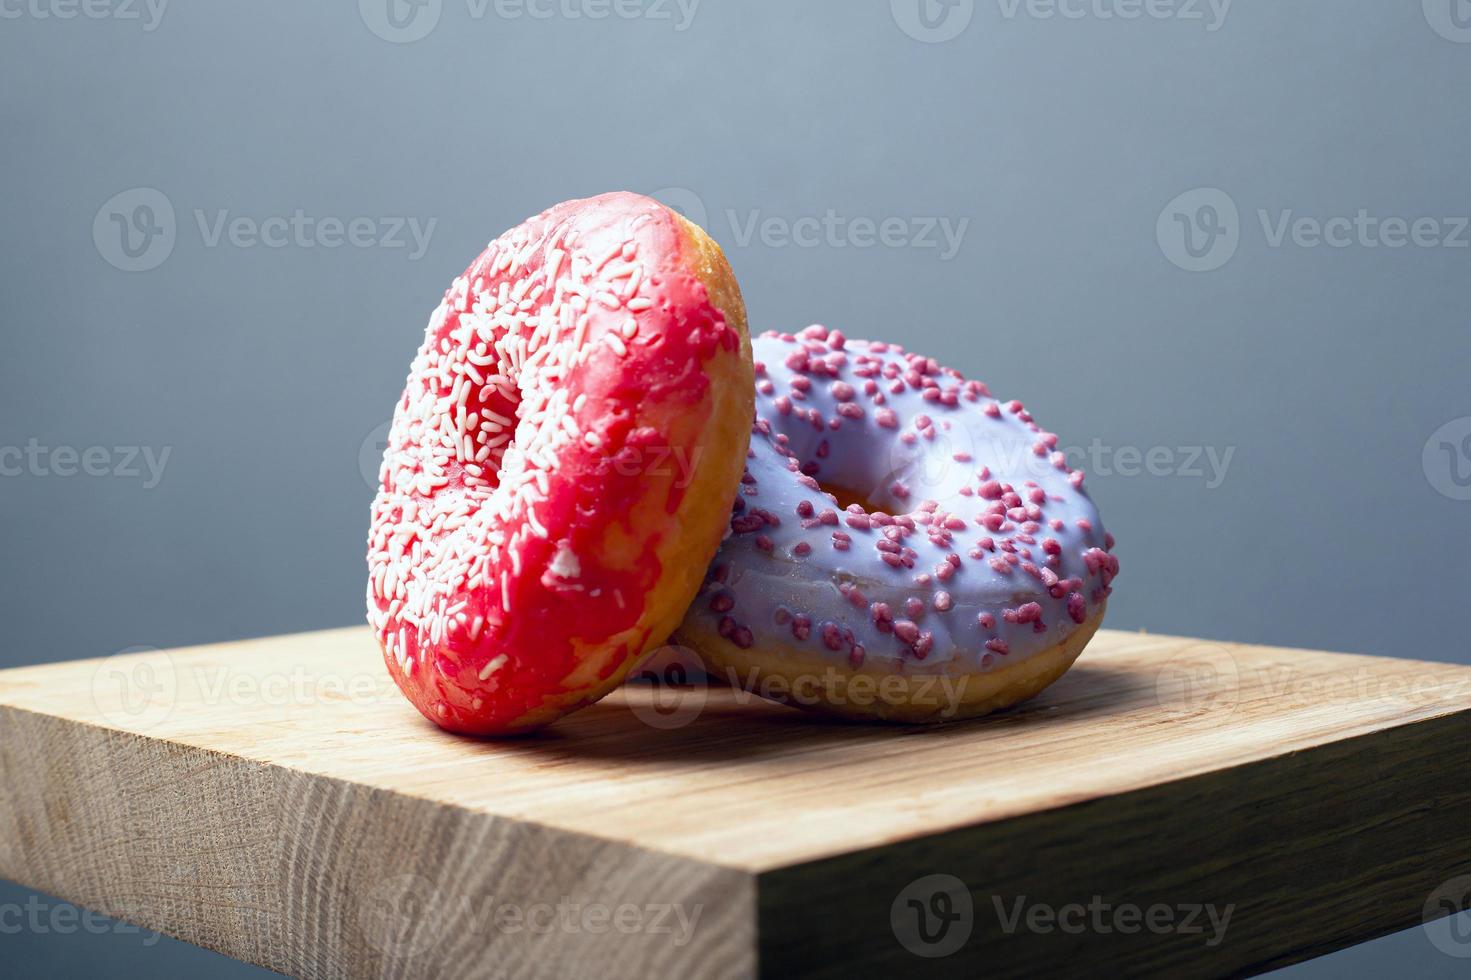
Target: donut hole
[(847, 497), (493, 414)]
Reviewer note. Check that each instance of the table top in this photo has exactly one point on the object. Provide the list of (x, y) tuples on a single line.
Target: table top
[(712, 776)]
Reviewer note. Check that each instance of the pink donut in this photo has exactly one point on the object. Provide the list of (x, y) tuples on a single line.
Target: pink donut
[(904, 546), (560, 467)]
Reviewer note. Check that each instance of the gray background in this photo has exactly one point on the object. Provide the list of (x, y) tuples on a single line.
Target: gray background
[(264, 370)]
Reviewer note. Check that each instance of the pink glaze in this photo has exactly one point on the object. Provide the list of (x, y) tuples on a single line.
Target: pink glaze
[(514, 450)]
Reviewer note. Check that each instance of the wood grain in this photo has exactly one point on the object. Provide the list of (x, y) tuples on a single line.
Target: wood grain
[(277, 801)]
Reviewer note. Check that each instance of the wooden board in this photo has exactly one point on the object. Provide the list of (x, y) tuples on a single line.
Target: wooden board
[(277, 801)]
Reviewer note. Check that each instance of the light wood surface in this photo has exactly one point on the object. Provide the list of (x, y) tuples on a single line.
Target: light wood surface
[(276, 800)]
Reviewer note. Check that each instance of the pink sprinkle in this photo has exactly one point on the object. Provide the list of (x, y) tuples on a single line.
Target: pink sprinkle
[(886, 418), (998, 645), (1077, 607), (747, 523), (987, 621), (906, 630), (842, 391), (1028, 613), (1051, 546), (943, 601), (850, 410)]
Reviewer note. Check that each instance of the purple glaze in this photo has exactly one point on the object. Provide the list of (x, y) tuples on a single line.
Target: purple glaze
[(981, 545)]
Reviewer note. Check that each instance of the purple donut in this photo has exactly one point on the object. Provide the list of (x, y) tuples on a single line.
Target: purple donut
[(897, 523)]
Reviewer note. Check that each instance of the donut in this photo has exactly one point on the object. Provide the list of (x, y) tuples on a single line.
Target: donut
[(904, 546), (561, 465)]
